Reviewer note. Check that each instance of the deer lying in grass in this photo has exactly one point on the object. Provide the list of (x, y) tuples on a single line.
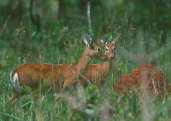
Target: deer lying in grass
[(97, 72), (145, 78), (56, 76)]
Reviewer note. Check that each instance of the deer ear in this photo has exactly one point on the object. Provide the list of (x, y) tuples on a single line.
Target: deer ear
[(101, 42), (113, 44), (86, 39), (86, 42)]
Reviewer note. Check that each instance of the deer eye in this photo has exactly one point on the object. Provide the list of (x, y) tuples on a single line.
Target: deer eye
[(98, 49)]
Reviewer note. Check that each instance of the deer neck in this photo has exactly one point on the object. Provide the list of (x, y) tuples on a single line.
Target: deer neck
[(81, 64), (108, 65)]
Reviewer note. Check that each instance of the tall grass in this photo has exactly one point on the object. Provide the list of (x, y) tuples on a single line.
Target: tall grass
[(59, 44)]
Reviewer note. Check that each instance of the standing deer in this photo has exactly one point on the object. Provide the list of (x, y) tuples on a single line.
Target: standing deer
[(97, 72), (56, 76)]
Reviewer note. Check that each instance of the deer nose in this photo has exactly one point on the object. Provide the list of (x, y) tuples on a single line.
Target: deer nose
[(112, 57)]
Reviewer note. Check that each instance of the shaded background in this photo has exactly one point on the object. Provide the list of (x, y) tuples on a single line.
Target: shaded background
[(55, 17)]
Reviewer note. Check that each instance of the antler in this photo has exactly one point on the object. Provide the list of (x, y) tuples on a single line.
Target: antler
[(101, 42)]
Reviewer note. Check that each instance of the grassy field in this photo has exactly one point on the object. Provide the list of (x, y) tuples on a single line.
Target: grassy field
[(61, 43)]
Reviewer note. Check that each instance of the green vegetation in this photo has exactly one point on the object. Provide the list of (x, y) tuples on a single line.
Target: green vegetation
[(145, 31)]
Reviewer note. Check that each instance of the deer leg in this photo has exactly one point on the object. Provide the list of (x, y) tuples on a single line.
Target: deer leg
[(14, 96), (69, 113), (67, 84)]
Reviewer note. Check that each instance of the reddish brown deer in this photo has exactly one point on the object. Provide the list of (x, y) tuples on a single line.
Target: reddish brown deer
[(97, 72), (145, 78), (56, 76)]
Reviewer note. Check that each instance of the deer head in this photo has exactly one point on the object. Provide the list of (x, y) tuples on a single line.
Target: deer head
[(92, 48), (108, 48)]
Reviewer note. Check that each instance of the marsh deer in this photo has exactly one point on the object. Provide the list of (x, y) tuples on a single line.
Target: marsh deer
[(145, 78), (97, 72), (56, 76)]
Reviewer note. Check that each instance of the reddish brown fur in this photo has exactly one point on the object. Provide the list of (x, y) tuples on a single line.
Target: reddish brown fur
[(145, 76), (97, 72), (30, 74), (55, 75)]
